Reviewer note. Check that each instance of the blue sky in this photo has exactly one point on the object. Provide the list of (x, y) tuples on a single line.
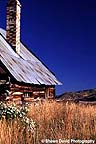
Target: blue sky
[(62, 33)]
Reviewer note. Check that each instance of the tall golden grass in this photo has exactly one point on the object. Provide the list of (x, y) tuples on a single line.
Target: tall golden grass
[(55, 120)]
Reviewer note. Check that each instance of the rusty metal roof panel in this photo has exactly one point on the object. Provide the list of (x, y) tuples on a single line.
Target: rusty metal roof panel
[(27, 67)]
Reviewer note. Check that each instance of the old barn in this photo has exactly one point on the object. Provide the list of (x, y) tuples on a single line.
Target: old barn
[(20, 70)]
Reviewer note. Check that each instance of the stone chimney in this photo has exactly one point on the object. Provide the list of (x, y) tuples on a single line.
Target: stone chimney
[(13, 24)]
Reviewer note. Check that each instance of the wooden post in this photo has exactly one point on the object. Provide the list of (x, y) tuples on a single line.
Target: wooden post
[(46, 92), (50, 92)]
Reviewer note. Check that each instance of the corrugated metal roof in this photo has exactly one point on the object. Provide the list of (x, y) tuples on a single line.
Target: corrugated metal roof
[(27, 67)]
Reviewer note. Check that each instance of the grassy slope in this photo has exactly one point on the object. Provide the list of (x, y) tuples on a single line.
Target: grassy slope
[(78, 95)]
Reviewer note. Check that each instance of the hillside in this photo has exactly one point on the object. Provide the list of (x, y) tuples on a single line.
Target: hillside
[(83, 95)]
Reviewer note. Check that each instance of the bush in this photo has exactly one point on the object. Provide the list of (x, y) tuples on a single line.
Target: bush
[(11, 112)]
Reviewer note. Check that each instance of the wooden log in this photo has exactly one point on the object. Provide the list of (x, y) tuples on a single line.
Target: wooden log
[(27, 88)]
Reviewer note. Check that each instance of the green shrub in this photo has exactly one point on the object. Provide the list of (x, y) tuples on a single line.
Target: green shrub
[(10, 112)]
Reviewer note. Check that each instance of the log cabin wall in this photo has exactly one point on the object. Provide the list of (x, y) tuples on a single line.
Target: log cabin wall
[(34, 91)]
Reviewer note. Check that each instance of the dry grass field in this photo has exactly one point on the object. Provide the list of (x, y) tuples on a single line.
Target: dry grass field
[(55, 120)]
